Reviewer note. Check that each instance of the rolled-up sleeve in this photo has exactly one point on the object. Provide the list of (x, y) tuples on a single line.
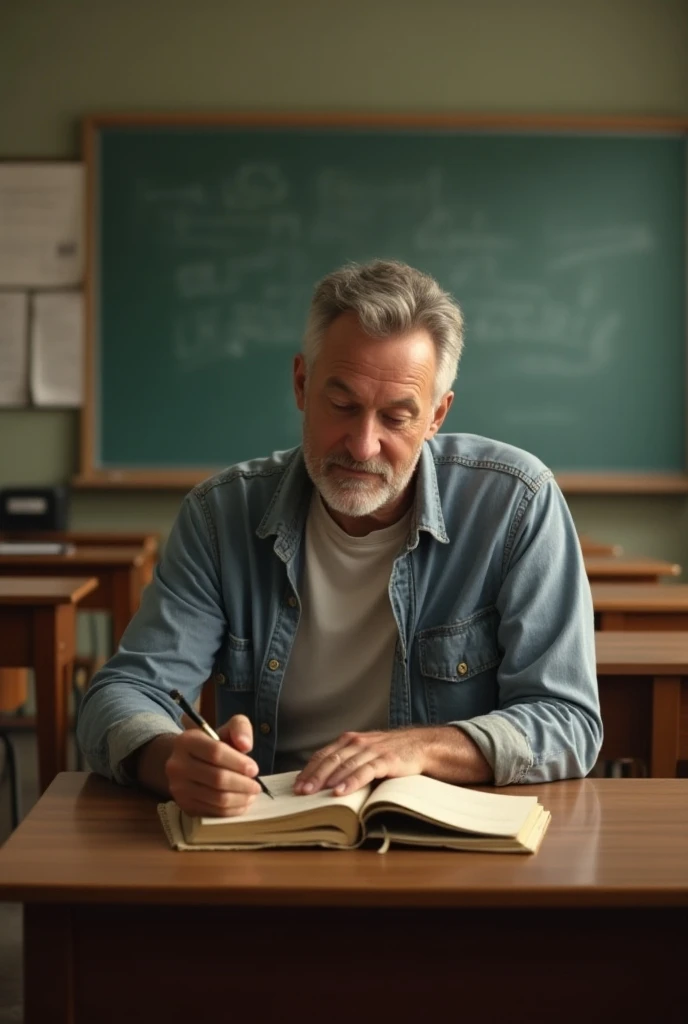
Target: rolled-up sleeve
[(170, 643), (547, 725)]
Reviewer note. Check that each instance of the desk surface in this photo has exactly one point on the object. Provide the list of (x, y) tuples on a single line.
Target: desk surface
[(36, 590), (130, 538), (621, 567), (641, 653), (639, 597), (102, 556), (593, 547), (611, 842)]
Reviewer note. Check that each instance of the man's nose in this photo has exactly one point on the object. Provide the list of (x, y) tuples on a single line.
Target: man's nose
[(363, 443)]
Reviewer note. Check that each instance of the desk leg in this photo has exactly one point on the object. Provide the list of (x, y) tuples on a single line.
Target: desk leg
[(48, 964), (53, 647), (12, 688), (126, 594), (666, 710)]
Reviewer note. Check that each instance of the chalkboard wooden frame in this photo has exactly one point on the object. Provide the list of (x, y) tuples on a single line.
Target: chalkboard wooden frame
[(91, 476)]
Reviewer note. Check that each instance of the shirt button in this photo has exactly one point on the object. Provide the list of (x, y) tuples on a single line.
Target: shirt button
[(220, 679), (292, 602), (462, 668), (265, 728), (273, 664)]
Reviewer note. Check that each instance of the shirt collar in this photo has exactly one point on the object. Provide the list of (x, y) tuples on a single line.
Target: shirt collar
[(427, 507), (287, 513)]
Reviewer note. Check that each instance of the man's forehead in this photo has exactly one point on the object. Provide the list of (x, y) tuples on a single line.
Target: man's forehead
[(393, 393), (362, 374)]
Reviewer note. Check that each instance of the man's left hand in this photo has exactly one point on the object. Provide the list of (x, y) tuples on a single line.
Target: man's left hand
[(357, 758)]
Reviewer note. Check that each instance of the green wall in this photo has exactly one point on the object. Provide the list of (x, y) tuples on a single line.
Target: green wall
[(60, 59)]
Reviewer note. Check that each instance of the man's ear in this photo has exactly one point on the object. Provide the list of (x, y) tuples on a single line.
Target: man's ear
[(439, 415), (299, 380)]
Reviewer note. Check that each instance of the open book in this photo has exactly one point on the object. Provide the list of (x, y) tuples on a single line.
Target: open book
[(415, 810)]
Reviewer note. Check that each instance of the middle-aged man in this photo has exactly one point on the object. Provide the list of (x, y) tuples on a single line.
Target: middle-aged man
[(384, 600)]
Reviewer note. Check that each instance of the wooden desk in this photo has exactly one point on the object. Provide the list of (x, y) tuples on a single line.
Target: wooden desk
[(150, 542), (593, 547), (38, 630), (641, 606), (602, 569), (643, 681), (119, 571), (115, 920), (13, 683)]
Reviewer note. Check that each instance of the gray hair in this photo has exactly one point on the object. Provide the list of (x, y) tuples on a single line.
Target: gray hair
[(389, 298)]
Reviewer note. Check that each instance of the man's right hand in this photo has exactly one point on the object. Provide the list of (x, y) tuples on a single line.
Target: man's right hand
[(204, 777)]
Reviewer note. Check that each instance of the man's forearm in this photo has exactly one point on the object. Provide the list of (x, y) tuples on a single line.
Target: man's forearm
[(147, 764), (452, 756)]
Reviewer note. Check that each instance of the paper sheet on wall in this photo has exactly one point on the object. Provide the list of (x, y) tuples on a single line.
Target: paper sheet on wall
[(41, 225), (14, 348), (57, 349)]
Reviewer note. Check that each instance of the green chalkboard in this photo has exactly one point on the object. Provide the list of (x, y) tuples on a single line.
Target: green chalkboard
[(566, 250)]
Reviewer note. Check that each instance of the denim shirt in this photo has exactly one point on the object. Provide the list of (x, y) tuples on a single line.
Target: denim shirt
[(489, 593)]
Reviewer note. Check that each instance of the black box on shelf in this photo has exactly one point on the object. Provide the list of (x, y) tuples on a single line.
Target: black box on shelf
[(24, 509)]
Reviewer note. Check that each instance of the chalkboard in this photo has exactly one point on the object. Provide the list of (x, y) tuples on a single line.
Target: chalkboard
[(566, 250)]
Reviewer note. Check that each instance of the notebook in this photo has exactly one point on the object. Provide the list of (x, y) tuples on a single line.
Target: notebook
[(415, 810)]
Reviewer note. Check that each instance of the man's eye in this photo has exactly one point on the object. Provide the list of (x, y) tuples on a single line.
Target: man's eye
[(394, 421), (342, 408)]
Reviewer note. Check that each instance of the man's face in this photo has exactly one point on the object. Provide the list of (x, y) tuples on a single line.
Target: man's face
[(368, 407)]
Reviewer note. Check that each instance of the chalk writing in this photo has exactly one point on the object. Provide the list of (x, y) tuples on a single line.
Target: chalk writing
[(255, 186), (194, 194), (593, 245)]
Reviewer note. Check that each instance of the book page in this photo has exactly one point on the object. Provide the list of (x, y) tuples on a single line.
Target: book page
[(287, 804), (411, 832), (454, 806), (57, 349), (14, 349)]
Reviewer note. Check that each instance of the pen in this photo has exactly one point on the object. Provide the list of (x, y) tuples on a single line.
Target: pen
[(200, 721)]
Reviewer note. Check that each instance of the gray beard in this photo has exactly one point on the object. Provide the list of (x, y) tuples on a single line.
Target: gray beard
[(356, 498)]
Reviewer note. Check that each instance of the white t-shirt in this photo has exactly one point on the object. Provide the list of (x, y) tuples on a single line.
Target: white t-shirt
[(339, 671)]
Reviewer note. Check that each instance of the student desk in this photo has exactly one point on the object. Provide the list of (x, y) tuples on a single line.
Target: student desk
[(593, 547), (602, 569), (119, 927), (150, 542), (621, 606), (643, 682), (120, 571), (38, 630), (121, 608)]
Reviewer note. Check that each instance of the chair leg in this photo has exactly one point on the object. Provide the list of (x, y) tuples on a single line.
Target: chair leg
[(13, 774)]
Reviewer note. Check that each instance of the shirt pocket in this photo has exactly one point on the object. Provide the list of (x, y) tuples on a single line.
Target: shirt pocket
[(235, 679), (234, 666), (458, 666)]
